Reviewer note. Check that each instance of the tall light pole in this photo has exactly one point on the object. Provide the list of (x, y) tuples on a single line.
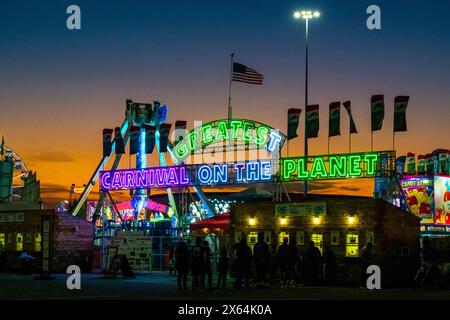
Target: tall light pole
[(306, 15)]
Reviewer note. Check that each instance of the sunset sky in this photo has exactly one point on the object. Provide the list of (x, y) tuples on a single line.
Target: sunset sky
[(60, 88)]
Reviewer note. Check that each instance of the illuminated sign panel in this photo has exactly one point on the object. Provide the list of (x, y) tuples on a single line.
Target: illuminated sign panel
[(330, 167), (442, 200), (418, 192), (235, 130), (325, 167)]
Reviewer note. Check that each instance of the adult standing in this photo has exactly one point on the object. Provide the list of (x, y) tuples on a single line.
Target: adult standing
[(197, 264), (243, 264), (311, 264), (207, 253), (330, 268), (181, 255), (283, 260), (292, 278), (261, 257)]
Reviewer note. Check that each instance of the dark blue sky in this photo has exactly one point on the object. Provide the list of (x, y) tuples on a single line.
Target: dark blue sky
[(59, 88)]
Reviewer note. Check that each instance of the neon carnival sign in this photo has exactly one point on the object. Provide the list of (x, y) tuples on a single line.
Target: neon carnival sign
[(242, 131), (337, 166), (322, 167)]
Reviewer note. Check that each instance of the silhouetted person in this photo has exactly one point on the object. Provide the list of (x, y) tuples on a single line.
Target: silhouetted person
[(366, 260), (223, 268), (127, 271), (197, 264), (181, 255), (283, 261), (27, 261), (261, 257), (172, 267), (291, 275), (311, 260), (243, 263), (207, 258), (273, 263), (329, 259)]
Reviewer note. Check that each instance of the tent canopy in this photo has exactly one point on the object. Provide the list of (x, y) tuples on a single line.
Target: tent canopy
[(252, 193), (221, 221)]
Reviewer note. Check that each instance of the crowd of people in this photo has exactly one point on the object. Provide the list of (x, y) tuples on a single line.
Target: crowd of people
[(284, 265)]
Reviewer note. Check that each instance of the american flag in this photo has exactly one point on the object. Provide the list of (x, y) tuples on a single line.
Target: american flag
[(245, 74)]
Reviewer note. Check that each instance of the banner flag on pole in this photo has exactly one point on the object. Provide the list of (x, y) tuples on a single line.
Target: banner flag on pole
[(135, 133), (348, 107), (334, 123), (377, 112), (118, 139), (245, 74), (180, 129), (312, 121), (107, 144), (164, 130), (293, 121), (149, 138), (400, 105)]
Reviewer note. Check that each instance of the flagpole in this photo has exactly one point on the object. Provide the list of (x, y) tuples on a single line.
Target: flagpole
[(393, 140), (350, 142), (230, 111), (371, 140), (328, 145)]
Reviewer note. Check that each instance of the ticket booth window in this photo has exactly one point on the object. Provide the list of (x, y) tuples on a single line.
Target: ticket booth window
[(252, 238), (37, 242), (352, 245), (281, 237), (2, 240), (19, 242), (317, 238)]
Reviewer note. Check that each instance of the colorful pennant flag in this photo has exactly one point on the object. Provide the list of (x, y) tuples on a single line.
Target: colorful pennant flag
[(377, 112), (135, 133), (118, 139), (149, 138), (334, 121), (164, 130), (107, 144), (312, 121), (348, 107), (293, 120), (400, 105)]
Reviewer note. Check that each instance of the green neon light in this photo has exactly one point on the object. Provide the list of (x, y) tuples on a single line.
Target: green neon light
[(289, 168), (338, 166), (222, 132), (207, 134), (248, 130), (242, 130), (235, 126), (328, 167), (302, 172), (371, 161), (354, 163), (319, 168)]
